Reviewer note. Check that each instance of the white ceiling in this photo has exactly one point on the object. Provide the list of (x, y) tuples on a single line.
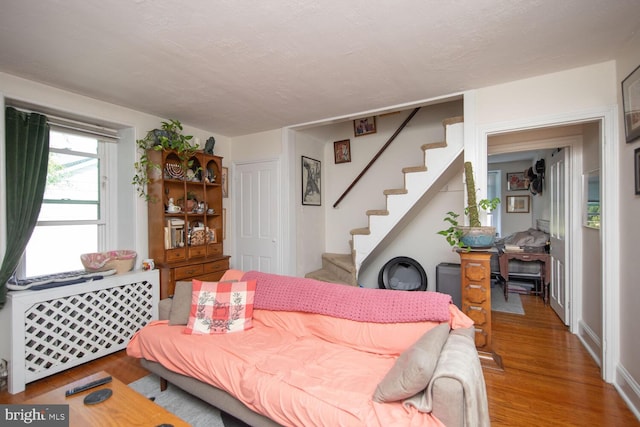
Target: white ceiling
[(239, 67)]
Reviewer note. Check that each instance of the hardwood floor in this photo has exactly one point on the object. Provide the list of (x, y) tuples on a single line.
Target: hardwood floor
[(548, 379)]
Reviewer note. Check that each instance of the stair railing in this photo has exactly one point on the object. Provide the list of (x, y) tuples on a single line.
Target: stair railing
[(378, 154)]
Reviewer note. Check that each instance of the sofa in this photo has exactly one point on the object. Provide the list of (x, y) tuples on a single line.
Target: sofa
[(276, 350)]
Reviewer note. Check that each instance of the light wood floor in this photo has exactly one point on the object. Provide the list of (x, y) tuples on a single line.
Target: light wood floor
[(549, 379)]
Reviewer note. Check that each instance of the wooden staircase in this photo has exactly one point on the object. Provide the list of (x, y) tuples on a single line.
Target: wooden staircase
[(344, 268)]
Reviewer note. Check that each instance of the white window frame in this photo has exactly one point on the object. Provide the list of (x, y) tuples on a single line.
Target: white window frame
[(106, 232)]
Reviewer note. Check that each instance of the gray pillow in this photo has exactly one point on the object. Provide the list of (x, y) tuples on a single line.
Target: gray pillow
[(181, 304), (414, 368)]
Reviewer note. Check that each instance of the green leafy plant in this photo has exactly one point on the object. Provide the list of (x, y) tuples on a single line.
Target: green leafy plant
[(169, 137), (454, 233)]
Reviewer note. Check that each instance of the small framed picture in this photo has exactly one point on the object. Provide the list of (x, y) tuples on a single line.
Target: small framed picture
[(342, 151), (518, 204), (636, 155), (225, 182), (631, 104), (364, 126), (516, 181), (311, 181)]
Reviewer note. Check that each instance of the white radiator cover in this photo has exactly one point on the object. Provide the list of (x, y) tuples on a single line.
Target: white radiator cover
[(55, 329)]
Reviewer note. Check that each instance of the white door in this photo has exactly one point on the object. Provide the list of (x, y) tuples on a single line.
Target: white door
[(256, 220), (558, 181)]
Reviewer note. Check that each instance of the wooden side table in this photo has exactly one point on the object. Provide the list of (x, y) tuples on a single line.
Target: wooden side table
[(475, 276), (545, 270)]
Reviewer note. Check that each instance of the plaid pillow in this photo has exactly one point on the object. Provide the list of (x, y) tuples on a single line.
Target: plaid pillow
[(221, 307)]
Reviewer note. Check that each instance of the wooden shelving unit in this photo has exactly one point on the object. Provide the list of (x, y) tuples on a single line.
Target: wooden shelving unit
[(186, 244)]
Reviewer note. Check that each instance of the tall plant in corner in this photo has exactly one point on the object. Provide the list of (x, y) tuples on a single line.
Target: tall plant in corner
[(475, 235), (169, 137)]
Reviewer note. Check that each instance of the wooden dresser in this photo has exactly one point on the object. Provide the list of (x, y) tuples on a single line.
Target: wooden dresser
[(475, 276)]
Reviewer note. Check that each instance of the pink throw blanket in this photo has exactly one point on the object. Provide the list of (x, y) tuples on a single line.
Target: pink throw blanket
[(287, 293)]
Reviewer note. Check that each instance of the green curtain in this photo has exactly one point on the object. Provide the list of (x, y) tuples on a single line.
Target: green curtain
[(27, 157)]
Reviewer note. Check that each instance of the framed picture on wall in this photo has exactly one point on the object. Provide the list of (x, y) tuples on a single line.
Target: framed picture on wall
[(364, 126), (342, 151), (518, 204), (311, 181), (516, 181), (225, 182), (631, 104)]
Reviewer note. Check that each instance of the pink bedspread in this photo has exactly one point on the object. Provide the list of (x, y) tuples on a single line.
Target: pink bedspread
[(286, 293), (286, 368)]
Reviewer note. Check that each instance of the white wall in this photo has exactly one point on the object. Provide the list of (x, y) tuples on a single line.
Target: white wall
[(629, 369), (131, 210), (513, 222), (244, 149)]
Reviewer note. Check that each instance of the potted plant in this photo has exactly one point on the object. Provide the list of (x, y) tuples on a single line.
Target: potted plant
[(169, 137), (474, 235)]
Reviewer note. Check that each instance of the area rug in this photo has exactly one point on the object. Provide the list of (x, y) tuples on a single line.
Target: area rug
[(498, 303), (180, 403)]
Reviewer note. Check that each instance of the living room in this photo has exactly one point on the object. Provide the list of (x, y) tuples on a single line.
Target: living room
[(590, 92)]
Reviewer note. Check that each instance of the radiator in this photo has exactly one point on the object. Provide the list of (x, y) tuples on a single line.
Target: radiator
[(55, 329)]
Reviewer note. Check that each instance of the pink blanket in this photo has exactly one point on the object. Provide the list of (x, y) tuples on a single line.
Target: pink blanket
[(287, 293)]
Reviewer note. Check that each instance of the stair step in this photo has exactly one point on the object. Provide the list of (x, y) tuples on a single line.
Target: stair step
[(364, 230), (414, 169), (377, 212), (433, 145), (452, 120), (325, 276), (395, 191), (343, 261)]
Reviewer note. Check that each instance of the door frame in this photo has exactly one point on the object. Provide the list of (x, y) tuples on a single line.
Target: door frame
[(476, 151)]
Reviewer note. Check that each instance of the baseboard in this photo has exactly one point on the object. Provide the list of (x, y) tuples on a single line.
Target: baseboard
[(629, 390), (591, 342)]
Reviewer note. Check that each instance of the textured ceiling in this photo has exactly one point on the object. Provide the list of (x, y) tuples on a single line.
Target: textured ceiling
[(239, 67)]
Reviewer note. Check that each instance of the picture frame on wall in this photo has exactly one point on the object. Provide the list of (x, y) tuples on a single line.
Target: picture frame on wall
[(516, 181), (311, 182), (342, 151), (631, 105), (636, 156), (364, 126), (225, 182), (518, 204)]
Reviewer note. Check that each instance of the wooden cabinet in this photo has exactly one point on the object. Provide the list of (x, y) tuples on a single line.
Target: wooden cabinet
[(475, 273), (185, 242)]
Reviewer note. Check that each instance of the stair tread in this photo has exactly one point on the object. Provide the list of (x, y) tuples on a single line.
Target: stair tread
[(410, 169), (452, 120), (344, 261), (395, 191), (364, 230), (377, 212), (325, 276), (432, 145)]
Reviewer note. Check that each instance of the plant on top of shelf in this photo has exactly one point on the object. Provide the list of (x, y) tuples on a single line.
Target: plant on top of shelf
[(474, 235), (169, 137)]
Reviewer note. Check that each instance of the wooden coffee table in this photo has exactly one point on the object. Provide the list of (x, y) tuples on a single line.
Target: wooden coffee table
[(125, 407)]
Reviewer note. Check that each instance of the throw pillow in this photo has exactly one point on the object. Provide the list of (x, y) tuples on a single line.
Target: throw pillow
[(414, 368), (180, 304), (221, 307)]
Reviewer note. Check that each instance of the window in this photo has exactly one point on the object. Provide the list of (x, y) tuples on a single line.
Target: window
[(73, 217)]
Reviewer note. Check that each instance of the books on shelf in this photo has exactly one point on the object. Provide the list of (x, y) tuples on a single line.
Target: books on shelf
[(174, 233)]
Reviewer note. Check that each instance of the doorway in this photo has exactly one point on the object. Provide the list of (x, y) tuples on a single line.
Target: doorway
[(584, 289)]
